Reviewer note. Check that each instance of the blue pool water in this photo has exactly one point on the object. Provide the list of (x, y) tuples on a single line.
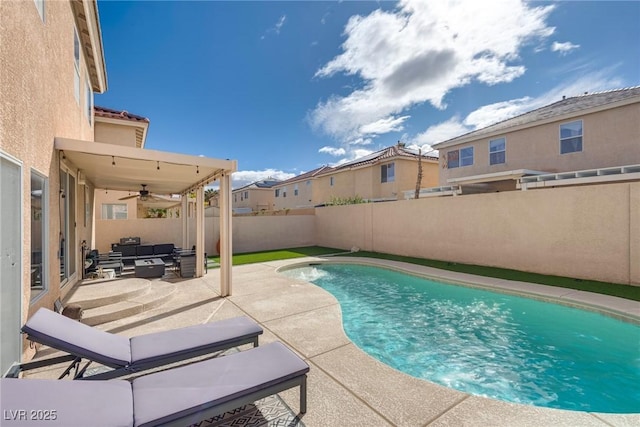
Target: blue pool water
[(486, 343)]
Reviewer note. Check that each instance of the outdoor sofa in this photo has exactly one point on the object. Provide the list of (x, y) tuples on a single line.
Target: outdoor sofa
[(180, 396)]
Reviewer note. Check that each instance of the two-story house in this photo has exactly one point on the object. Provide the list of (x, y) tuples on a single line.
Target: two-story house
[(381, 176), (254, 197), (297, 192), (577, 140)]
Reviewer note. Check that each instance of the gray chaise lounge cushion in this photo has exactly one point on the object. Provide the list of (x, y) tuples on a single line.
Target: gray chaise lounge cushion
[(30, 402), (187, 390), (116, 351), (181, 394)]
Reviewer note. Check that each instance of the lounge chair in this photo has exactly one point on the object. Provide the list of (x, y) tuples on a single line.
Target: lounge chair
[(180, 396), (130, 355)]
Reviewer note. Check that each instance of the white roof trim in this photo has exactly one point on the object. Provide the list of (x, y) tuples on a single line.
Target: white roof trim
[(497, 176)]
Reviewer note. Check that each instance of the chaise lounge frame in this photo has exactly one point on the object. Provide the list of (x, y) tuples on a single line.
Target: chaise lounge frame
[(129, 355), (174, 397)]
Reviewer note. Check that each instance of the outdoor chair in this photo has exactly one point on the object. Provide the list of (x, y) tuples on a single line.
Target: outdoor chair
[(180, 396), (130, 355)]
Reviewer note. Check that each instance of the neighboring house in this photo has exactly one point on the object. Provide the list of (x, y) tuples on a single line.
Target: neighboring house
[(254, 197), (297, 192), (380, 176), (570, 139), (52, 63)]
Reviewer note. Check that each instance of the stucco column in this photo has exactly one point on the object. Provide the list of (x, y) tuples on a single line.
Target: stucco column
[(226, 250), (200, 231), (185, 221)]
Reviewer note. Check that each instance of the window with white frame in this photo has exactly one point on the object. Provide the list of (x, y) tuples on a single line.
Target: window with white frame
[(295, 190), (308, 182), (331, 181), (246, 195), (497, 151), (284, 191), (277, 192), (466, 156), (571, 137), (76, 65), (40, 7), (453, 159), (387, 173), (114, 211)]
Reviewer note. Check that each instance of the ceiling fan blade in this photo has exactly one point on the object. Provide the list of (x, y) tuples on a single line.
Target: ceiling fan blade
[(128, 197)]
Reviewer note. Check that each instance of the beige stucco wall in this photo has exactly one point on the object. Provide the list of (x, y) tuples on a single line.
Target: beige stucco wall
[(366, 181), (303, 199), (259, 199), (590, 232), (610, 138), (115, 134), (37, 104)]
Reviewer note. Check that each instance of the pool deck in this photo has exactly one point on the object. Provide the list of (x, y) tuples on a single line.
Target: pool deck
[(346, 387)]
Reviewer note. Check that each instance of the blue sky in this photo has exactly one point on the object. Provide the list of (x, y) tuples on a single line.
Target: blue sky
[(285, 87)]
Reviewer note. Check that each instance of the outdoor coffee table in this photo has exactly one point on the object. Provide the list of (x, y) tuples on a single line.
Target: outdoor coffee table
[(152, 267)]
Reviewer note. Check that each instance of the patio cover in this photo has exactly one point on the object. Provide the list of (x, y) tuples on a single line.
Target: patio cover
[(124, 168)]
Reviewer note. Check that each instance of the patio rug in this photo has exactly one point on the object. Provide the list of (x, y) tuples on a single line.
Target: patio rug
[(270, 411)]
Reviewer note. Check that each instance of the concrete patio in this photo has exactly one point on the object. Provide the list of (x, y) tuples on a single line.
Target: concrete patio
[(346, 387)]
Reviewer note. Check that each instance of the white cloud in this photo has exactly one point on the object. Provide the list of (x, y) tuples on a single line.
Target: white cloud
[(386, 125), (241, 178), (440, 132), (419, 52), (563, 48), (276, 28), (333, 151)]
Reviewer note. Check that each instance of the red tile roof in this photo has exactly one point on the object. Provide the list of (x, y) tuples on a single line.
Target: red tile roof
[(108, 113), (398, 150)]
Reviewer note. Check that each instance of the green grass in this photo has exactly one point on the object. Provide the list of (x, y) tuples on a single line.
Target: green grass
[(253, 257), (613, 289)]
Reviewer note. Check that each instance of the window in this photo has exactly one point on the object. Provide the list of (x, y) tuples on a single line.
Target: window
[(497, 150), (88, 100), (38, 234), (114, 211), (387, 173), (246, 195), (277, 192), (235, 198), (76, 66), (466, 156), (331, 181), (453, 159), (40, 7), (571, 137), (295, 190), (308, 182), (284, 191)]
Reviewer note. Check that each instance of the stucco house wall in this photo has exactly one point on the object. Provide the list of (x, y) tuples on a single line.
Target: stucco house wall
[(258, 199), (37, 104), (366, 181), (610, 138), (115, 134)]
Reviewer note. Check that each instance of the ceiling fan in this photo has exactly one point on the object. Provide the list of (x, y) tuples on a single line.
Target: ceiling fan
[(144, 194)]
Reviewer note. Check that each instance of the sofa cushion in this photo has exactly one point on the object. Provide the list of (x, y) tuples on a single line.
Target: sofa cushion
[(144, 250), (163, 249)]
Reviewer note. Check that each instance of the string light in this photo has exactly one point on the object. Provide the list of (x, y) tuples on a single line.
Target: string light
[(63, 156), (113, 161), (197, 169), (158, 166)]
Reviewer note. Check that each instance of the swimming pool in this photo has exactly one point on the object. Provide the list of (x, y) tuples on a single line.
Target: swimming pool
[(487, 343)]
